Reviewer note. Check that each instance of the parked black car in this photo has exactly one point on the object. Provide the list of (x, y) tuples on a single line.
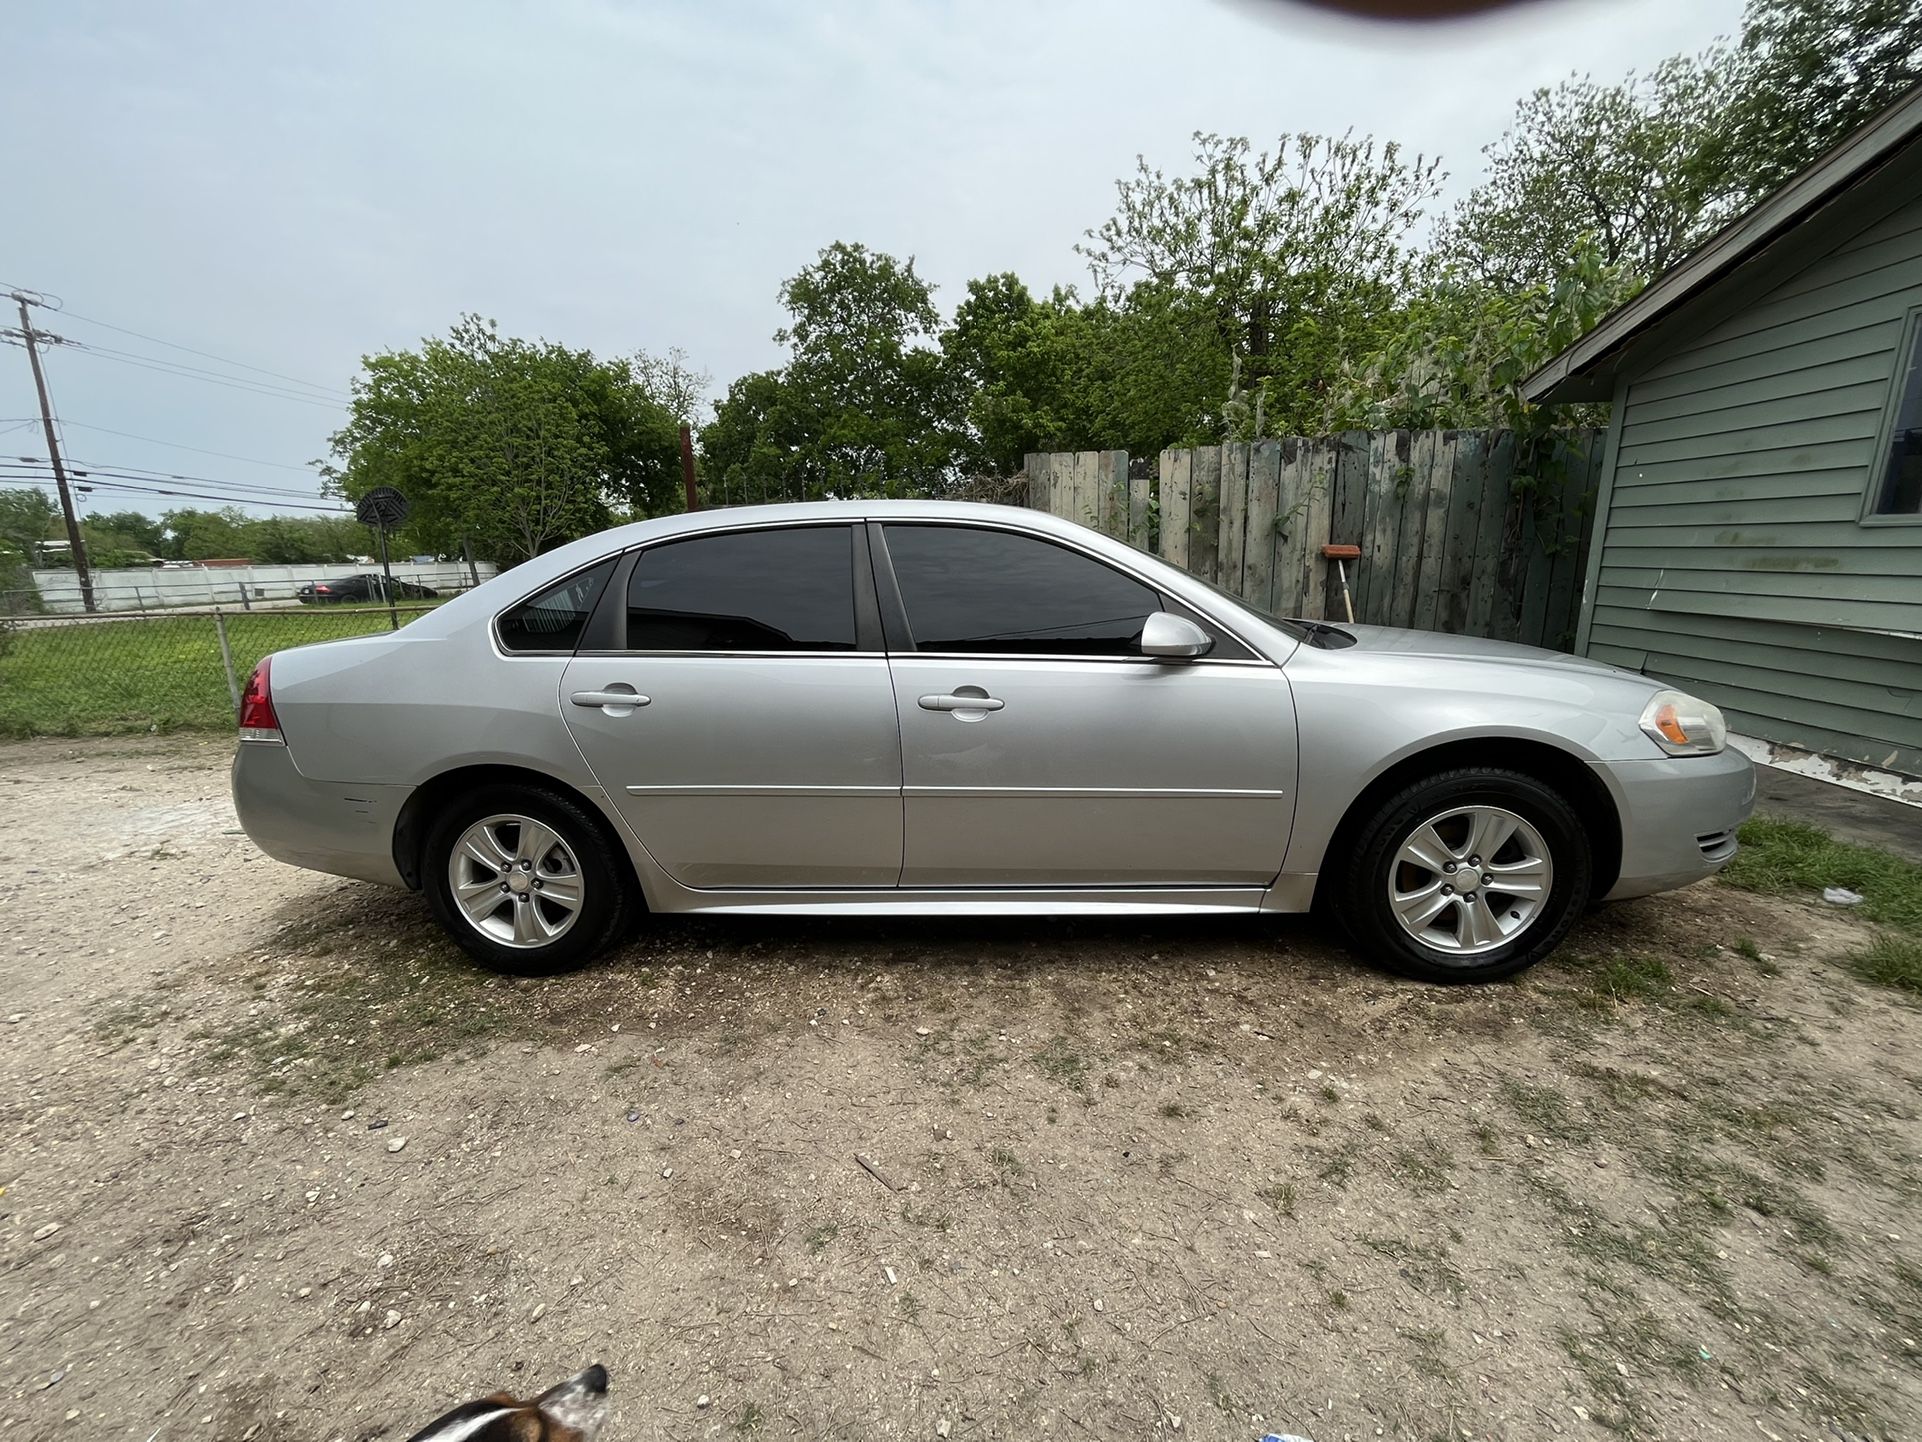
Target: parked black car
[(361, 588)]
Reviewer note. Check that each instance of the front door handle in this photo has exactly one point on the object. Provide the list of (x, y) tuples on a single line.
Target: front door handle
[(612, 702), (960, 703)]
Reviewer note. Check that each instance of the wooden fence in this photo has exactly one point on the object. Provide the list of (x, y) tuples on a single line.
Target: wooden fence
[(1458, 532)]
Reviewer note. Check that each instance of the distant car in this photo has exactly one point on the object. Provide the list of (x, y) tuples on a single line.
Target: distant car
[(360, 588), (863, 708)]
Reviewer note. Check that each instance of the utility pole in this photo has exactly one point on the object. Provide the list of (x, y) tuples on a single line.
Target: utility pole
[(687, 468), (77, 546)]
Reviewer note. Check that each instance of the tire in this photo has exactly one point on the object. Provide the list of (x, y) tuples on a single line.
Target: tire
[(518, 842), (1415, 919)]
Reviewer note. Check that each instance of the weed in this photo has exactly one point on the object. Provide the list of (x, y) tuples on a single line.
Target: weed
[(1060, 1061), (910, 1306), (1007, 1165), (1338, 1299), (1428, 1360), (935, 1221), (1375, 1122), (1890, 960), (1339, 1165), (1280, 1196), (1487, 1138), (750, 1419), (1546, 1109), (1426, 1167), (1328, 1093), (1219, 1394), (821, 1236), (1174, 1111), (1427, 1269)]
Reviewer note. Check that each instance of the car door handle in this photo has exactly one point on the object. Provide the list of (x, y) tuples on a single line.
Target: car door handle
[(959, 703), (626, 699)]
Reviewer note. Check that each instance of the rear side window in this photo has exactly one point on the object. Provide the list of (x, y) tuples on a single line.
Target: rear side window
[(777, 590), (554, 620), (1003, 593)]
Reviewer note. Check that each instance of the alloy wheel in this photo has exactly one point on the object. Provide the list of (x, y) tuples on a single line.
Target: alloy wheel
[(515, 880), (1469, 880)]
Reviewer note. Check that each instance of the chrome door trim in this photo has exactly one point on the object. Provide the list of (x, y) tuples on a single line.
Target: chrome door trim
[(755, 789), (1085, 791)]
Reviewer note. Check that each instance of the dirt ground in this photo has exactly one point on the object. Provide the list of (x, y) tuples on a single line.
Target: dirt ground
[(1215, 1178)]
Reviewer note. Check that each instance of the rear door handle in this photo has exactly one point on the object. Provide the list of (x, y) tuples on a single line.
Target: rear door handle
[(960, 703), (615, 703)]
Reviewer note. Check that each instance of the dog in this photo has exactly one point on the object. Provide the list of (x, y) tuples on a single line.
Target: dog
[(570, 1411)]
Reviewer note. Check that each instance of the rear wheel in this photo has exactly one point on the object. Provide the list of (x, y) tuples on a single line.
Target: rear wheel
[(526, 881), (1471, 875)]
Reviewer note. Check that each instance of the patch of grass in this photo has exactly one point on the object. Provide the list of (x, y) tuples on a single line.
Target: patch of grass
[(1629, 977), (1328, 1092), (1007, 1165), (1219, 1394), (1745, 947), (1546, 1110), (1427, 1167), (1339, 1165), (934, 1220), (1428, 1360), (1280, 1196), (1427, 1269), (750, 1419), (819, 1238), (1337, 1299), (160, 673), (1175, 1111), (1062, 1062), (1713, 1187), (1487, 1138), (1791, 858), (1890, 960), (910, 1306)]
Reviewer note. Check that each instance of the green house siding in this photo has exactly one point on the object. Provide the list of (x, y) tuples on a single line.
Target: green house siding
[(1734, 560)]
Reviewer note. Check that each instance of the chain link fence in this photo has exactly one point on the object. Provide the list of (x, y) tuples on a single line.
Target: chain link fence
[(85, 675)]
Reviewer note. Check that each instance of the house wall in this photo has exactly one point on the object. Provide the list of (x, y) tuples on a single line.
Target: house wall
[(1734, 560)]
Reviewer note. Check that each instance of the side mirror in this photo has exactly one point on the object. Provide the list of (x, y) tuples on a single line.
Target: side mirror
[(1163, 634)]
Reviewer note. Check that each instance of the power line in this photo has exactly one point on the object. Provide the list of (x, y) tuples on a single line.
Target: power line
[(315, 392), (167, 368), (148, 473), (88, 485), (206, 355), (238, 490), (176, 445)]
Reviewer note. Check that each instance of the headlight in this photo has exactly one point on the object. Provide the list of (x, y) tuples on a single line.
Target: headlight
[(1682, 725)]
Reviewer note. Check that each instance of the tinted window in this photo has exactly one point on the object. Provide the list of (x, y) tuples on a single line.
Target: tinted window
[(1901, 493), (554, 620), (745, 591), (969, 590)]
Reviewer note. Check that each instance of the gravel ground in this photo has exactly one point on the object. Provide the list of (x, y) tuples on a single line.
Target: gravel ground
[(278, 1165)]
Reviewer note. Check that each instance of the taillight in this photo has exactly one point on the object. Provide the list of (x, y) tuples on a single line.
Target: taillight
[(257, 719), (323, 590)]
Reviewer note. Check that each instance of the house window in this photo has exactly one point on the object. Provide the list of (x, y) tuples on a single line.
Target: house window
[(1899, 485)]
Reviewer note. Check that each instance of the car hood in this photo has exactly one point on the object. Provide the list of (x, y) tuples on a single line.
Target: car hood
[(1433, 645)]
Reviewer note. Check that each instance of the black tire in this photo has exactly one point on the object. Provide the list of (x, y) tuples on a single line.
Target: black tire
[(1362, 893), (607, 893)]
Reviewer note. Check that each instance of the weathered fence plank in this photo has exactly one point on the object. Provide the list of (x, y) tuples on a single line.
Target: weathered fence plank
[(1177, 483), (1460, 531), (1261, 542), (1231, 533), (1204, 514)]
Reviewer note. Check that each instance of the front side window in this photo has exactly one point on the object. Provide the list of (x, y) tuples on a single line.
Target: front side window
[(555, 619), (778, 590), (1000, 592), (1899, 486)]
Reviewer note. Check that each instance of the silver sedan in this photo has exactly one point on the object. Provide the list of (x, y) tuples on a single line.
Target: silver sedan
[(867, 708)]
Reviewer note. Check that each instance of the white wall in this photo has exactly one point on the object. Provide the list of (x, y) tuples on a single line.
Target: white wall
[(152, 589)]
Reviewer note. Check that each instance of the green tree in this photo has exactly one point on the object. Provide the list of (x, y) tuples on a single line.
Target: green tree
[(1807, 72), (197, 535), (27, 517), (131, 530), (1636, 165), (865, 404), (517, 445), (1298, 253)]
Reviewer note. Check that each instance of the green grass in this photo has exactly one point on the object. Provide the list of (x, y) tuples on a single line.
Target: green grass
[(1890, 960), (91, 678), (1790, 858)]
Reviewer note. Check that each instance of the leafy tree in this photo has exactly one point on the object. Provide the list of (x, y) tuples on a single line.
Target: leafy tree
[(1462, 347), (672, 382), (130, 530), (1634, 165), (1298, 253), (517, 445), (864, 405), (27, 517), (1807, 72), (197, 535)]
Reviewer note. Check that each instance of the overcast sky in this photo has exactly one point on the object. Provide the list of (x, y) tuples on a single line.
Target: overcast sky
[(291, 187)]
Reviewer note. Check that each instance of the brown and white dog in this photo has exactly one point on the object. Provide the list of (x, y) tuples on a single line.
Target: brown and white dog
[(570, 1411)]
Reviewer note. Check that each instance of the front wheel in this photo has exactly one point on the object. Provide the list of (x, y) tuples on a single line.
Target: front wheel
[(526, 881), (1470, 875)]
